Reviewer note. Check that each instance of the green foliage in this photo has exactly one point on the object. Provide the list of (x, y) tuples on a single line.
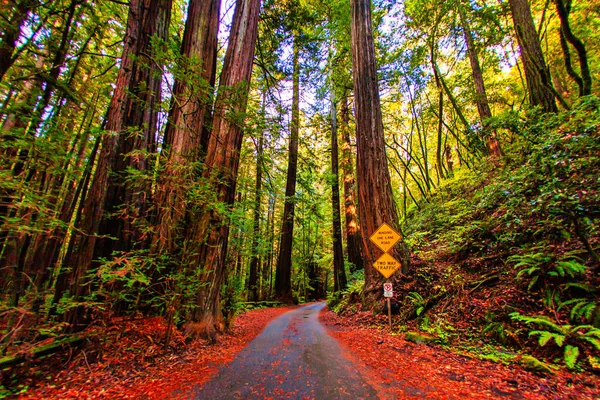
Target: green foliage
[(569, 337), (418, 302), (232, 299), (340, 301)]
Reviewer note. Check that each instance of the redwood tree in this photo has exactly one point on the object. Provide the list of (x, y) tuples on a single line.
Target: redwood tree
[(208, 232), (353, 234), (283, 273), (339, 273), (375, 197), (537, 75)]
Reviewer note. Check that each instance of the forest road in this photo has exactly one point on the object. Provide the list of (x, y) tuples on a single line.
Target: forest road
[(293, 358)]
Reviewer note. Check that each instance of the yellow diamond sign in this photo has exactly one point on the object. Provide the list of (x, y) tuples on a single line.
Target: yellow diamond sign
[(385, 237), (386, 264)]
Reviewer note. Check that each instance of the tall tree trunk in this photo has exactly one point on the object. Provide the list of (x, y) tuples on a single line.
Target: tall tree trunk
[(188, 127), (78, 258), (481, 98), (11, 31), (253, 284), (283, 274), (206, 240), (126, 198), (539, 84), (353, 234), (375, 197), (585, 82), (339, 272)]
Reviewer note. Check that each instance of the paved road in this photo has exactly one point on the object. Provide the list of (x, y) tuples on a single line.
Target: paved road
[(293, 358)]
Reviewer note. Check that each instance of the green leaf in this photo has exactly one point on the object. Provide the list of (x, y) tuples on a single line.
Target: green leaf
[(570, 355)]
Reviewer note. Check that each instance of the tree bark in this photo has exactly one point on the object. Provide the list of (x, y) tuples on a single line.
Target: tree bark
[(585, 84), (187, 130), (481, 99), (206, 240), (126, 199), (375, 197), (11, 31), (353, 234), (339, 272), (283, 272), (537, 76), (79, 255), (253, 284)]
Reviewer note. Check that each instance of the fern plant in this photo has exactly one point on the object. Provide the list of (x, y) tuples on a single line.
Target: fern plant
[(418, 302), (568, 337)]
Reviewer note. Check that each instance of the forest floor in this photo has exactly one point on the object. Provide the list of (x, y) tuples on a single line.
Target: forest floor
[(435, 372), (133, 364)]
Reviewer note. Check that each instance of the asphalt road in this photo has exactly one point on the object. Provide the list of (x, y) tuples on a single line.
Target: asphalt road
[(293, 358)]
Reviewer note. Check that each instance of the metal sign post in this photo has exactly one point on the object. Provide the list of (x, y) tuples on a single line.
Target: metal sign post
[(385, 237), (388, 293)]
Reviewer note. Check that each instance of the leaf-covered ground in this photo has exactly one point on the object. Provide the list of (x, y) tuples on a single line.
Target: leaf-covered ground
[(132, 362), (402, 369)]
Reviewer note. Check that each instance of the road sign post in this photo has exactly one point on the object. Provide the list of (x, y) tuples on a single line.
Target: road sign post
[(385, 237), (388, 293)]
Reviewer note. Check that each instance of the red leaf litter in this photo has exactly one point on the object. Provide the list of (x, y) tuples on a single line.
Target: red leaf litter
[(399, 369), (132, 362)]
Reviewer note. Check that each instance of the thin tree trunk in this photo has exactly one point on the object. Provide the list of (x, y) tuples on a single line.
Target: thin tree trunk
[(585, 84), (537, 76), (481, 98), (375, 197), (11, 31), (253, 284), (353, 233), (283, 274), (339, 272)]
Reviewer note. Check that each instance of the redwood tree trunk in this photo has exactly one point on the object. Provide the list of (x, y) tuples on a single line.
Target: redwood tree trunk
[(11, 31), (185, 134), (353, 234), (481, 98), (79, 255), (375, 198), (283, 273), (206, 240), (539, 84), (254, 262), (339, 273), (126, 199)]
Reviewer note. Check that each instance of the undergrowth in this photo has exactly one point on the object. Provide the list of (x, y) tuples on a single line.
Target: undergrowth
[(508, 251)]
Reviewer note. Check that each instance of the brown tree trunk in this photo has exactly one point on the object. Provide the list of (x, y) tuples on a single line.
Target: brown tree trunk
[(80, 252), (481, 98), (353, 234), (539, 84), (126, 199), (207, 237), (253, 284), (375, 197), (186, 133), (11, 31), (585, 82), (339, 272), (283, 273)]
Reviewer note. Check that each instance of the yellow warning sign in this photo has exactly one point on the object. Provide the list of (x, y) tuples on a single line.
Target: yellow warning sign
[(386, 264), (385, 237)]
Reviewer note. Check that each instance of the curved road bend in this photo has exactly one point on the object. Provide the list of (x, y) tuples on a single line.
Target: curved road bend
[(293, 358)]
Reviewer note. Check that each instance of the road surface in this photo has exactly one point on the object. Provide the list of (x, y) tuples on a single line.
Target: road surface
[(293, 358)]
